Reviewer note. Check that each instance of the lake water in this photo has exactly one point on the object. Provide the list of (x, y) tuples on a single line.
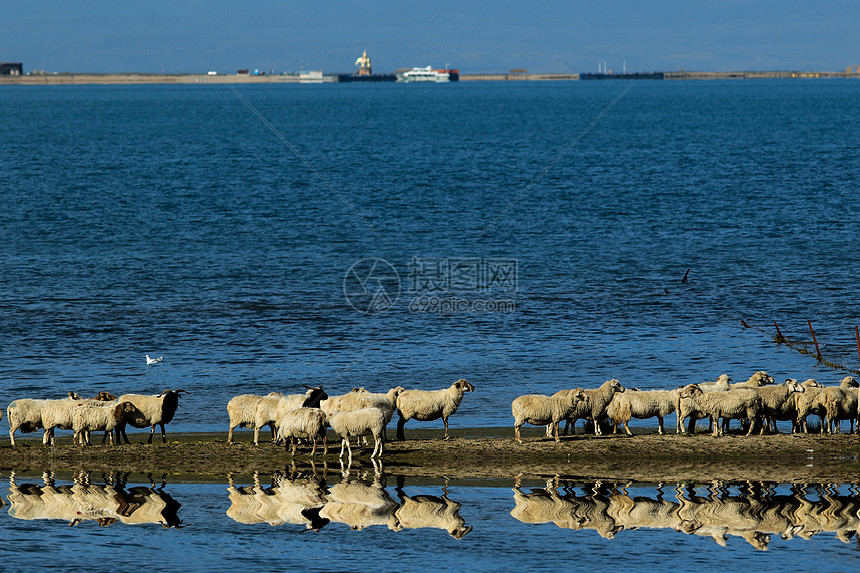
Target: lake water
[(538, 239), (368, 520), (525, 236)]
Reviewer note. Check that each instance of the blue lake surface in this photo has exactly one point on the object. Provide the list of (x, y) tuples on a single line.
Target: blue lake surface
[(217, 228), (525, 236)]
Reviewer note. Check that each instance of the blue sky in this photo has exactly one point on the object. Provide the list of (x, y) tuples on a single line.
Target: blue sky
[(189, 36)]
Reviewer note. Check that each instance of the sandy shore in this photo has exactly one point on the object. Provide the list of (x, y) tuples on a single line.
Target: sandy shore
[(480, 453)]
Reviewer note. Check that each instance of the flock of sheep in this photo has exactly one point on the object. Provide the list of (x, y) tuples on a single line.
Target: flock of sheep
[(757, 402), (304, 416), (105, 412)]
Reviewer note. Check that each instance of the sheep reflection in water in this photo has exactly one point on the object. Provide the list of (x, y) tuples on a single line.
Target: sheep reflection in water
[(290, 500), (754, 513), (359, 500), (83, 500)]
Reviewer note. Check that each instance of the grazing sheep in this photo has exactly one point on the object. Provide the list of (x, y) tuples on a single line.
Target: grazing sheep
[(58, 413), (157, 409), (840, 403), (96, 417), (309, 423), (425, 406), (269, 408), (24, 414), (598, 400), (775, 400), (728, 405), (640, 405), (541, 410), (359, 423), (720, 385)]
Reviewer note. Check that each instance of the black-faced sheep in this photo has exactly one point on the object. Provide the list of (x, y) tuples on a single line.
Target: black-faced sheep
[(150, 411)]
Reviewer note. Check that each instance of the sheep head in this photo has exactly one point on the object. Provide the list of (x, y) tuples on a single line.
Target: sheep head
[(615, 385), (105, 396), (793, 386), (848, 382), (761, 378), (691, 391), (461, 384), (123, 411)]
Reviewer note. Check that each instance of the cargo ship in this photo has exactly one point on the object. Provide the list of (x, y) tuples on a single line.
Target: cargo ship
[(427, 74)]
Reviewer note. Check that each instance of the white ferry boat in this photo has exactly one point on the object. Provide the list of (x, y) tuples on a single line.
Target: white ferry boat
[(428, 74)]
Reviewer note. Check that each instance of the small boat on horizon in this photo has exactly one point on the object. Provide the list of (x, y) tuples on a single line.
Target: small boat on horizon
[(427, 74)]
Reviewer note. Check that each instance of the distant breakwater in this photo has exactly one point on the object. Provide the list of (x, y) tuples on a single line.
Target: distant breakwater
[(132, 78)]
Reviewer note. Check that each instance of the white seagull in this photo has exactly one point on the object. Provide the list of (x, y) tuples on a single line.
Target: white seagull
[(153, 360)]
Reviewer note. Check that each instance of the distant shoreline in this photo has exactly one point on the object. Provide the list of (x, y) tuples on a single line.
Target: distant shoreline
[(136, 78)]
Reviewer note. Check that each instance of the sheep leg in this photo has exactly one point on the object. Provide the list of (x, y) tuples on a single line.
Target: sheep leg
[(660, 429), (400, 423), (314, 447), (517, 434), (555, 430), (626, 427), (325, 443), (12, 436), (256, 436), (293, 444), (445, 421), (230, 435)]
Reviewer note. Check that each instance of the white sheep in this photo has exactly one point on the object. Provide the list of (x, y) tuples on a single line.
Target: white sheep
[(360, 398), (270, 408), (598, 399), (540, 410), (99, 417), (152, 410), (776, 399), (24, 414), (722, 384), (727, 405), (641, 405), (425, 406), (367, 421), (840, 403), (242, 411), (58, 413), (308, 423)]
